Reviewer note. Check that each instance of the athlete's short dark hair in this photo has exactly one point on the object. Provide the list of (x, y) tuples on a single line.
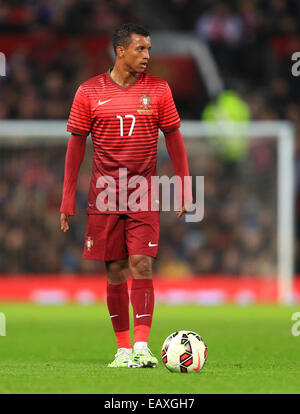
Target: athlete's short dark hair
[(122, 35)]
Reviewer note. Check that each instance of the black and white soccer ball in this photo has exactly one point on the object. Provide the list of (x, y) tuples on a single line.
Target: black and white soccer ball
[(184, 351)]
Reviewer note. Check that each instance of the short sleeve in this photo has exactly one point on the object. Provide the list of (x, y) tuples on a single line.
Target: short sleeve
[(80, 115), (168, 115)]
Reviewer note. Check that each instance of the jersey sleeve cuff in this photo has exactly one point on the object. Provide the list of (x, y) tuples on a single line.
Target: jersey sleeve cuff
[(67, 212), (77, 131), (169, 128)]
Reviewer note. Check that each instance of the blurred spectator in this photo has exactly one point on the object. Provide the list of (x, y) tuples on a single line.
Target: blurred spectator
[(220, 24)]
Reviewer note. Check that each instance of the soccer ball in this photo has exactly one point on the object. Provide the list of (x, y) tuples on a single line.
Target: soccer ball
[(184, 351)]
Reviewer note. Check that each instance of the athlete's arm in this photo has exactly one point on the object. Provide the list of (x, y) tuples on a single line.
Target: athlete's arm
[(176, 149), (74, 156)]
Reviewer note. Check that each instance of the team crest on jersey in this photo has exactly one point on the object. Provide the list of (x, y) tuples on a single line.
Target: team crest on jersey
[(89, 243), (145, 101)]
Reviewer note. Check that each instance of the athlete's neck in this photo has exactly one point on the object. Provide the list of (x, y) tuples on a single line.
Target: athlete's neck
[(121, 76)]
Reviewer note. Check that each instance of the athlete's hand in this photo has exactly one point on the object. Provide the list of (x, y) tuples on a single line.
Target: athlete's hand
[(184, 209), (64, 222)]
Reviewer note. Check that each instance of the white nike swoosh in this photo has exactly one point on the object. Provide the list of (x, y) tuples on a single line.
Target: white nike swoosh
[(102, 103), (113, 316), (152, 245), (141, 316)]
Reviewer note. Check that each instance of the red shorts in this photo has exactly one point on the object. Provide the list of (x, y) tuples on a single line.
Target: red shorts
[(116, 236)]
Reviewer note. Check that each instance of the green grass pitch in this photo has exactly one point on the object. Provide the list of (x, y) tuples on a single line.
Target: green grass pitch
[(66, 349)]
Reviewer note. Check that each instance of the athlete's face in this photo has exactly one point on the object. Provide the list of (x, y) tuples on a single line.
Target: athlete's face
[(136, 56)]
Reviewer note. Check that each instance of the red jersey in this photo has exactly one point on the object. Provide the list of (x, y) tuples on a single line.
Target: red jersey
[(124, 123)]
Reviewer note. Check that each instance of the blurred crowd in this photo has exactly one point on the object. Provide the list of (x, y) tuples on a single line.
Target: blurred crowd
[(251, 41), (230, 20), (237, 235)]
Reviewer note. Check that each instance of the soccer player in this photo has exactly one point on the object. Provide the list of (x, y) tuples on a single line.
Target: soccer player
[(124, 109)]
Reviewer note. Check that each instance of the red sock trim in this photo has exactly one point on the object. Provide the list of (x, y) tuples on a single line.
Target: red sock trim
[(141, 333), (123, 339), (142, 283)]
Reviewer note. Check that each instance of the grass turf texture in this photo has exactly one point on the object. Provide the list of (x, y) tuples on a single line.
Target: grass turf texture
[(66, 349)]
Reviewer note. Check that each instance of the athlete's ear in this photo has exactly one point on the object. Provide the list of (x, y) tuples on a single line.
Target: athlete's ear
[(120, 51)]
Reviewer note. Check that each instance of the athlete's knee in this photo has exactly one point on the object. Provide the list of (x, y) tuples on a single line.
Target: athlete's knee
[(140, 266), (117, 271)]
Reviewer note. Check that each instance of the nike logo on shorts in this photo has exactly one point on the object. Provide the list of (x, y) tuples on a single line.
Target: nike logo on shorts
[(152, 245), (113, 316)]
